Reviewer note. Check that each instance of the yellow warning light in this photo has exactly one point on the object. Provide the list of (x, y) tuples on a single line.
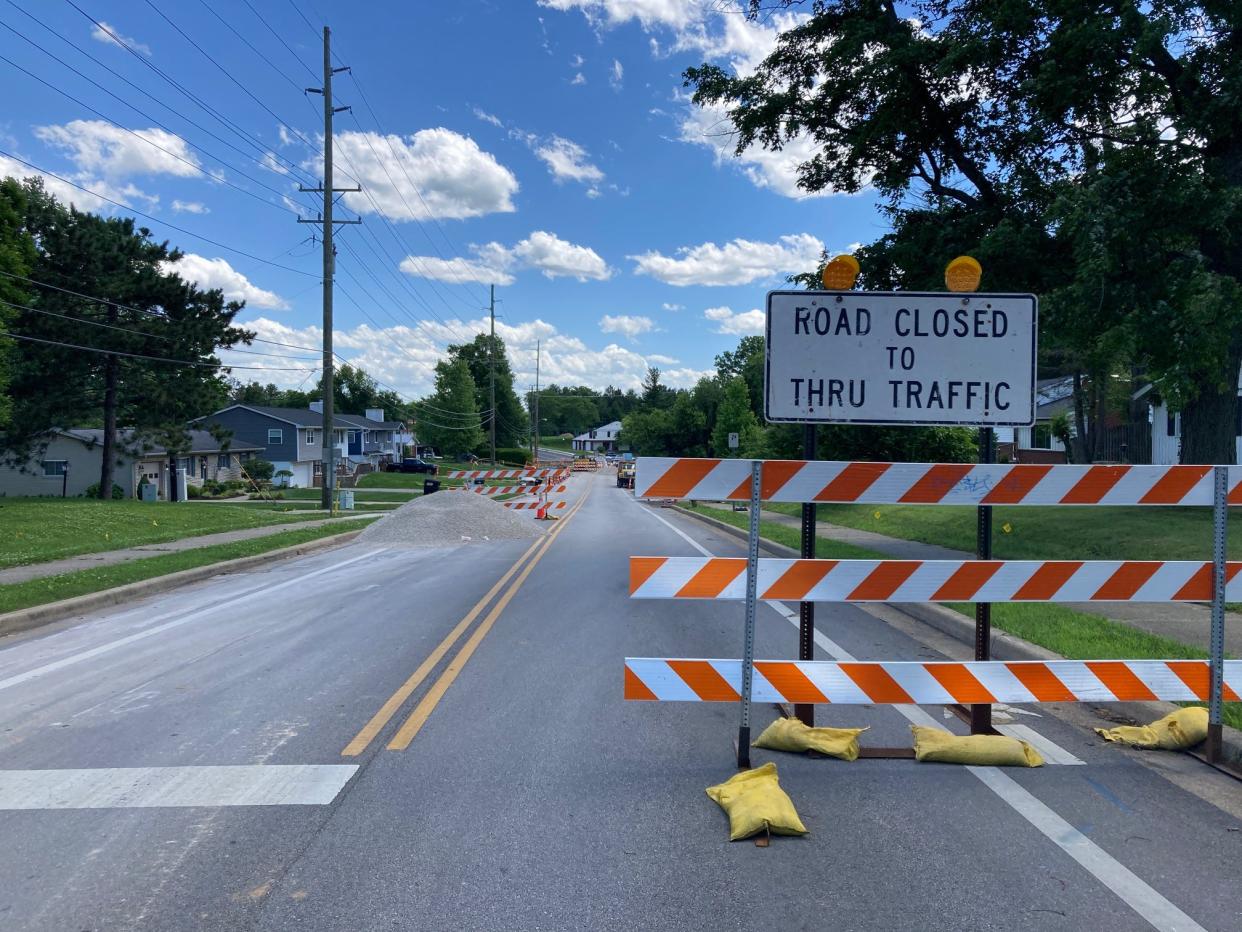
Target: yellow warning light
[(840, 273), (963, 274)]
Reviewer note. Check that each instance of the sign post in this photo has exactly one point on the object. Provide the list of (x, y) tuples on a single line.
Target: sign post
[(748, 645), (910, 358), (1220, 518)]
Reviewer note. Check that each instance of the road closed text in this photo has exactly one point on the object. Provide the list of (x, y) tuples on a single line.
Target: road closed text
[(900, 358)]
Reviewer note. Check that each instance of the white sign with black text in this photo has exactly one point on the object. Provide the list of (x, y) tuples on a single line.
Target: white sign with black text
[(872, 357)]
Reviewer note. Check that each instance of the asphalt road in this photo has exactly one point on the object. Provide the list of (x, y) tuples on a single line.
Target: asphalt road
[(178, 765)]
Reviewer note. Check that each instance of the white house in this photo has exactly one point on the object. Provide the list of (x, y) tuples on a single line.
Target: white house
[(1166, 431), (600, 440)]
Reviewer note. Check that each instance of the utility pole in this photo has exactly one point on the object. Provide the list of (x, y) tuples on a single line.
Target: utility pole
[(491, 365), (538, 345), (329, 267)]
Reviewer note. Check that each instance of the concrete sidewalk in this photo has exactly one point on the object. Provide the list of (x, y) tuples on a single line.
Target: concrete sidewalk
[(1186, 622), (90, 561)]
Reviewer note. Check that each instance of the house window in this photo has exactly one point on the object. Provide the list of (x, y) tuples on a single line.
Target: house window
[(353, 436), (1041, 437), (55, 468), (1170, 424), (310, 438), (222, 461), (1237, 419), (317, 467), (275, 435)]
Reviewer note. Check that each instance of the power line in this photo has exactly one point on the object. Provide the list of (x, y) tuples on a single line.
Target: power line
[(173, 226), (179, 362), (138, 135), (279, 37), (198, 101), (140, 310)]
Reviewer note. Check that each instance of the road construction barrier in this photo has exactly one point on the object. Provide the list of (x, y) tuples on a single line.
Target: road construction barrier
[(931, 580), (498, 473), (927, 683), (930, 483), (550, 505), (979, 683), (508, 489), (584, 465)]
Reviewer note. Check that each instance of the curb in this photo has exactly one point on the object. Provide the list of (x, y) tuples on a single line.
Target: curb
[(1004, 646), (37, 615)]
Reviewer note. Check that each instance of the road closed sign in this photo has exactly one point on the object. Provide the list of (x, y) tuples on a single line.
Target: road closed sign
[(874, 357)]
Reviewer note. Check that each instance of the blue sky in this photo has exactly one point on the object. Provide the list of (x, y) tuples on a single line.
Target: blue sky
[(547, 147)]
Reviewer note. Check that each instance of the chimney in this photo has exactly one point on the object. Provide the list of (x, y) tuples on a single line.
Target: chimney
[(375, 414), (317, 407)]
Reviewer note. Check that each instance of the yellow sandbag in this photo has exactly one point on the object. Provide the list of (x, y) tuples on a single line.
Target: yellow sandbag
[(790, 734), (1176, 731), (936, 744), (754, 799)]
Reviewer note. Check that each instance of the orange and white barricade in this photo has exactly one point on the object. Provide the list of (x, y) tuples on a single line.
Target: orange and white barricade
[(981, 682)]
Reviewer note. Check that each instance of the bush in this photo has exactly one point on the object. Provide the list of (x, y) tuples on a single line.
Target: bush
[(259, 470), (193, 491), (92, 491), (515, 455)]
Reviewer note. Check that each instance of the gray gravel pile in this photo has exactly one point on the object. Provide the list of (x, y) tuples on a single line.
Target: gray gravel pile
[(446, 518)]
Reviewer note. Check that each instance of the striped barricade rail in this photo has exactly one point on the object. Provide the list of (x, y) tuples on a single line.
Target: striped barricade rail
[(508, 489), (931, 580), (928, 683), (498, 473), (551, 505), (930, 483)]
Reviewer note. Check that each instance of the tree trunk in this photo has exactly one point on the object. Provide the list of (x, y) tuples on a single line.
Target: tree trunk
[(1209, 422), (1080, 423), (108, 464)]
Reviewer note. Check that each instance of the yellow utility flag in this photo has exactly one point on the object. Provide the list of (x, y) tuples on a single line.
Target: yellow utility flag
[(790, 734), (754, 801), (1175, 732), (936, 744)]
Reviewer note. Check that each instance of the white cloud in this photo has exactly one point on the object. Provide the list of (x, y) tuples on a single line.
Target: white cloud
[(626, 325), (659, 360), (190, 207), (67, 194), (273, 164), (578, 79), (455, 177), (456, 270), (557, 258), (616, 74), (673, 307), (577, 61), (404, 357), (567, 161), (672, 13), (217, 273), (110, 35), (776, 170), (495, 263), (746, 323), (286, 138), (487, 117), (737, 262), (97, 147)]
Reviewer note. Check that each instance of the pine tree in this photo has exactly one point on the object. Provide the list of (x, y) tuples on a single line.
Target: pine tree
[(449, 419)]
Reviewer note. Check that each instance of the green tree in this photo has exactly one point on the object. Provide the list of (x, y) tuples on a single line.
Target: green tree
[(745, 363), (655, 393), (512, 424), (17, 256), (735, 416), (989, 127), (151, 313), (448, 420), (647, 432)]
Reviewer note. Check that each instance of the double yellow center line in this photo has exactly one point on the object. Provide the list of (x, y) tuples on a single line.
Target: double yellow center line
[(405, 734)]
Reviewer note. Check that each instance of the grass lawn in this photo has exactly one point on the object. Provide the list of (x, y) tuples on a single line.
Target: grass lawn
[(67, 585), (790, 537), (556, 443), (1045, 533), (287, 507), (34, 530), (409, 480), (1075, 635)]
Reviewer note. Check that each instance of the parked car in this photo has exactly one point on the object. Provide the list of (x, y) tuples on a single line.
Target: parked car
[(414, 464)]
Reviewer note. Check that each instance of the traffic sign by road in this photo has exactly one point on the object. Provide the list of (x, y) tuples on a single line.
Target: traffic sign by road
[(859, 357)]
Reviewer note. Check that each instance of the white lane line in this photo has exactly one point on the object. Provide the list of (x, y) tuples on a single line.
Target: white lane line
[(1149, 904), (77, 658), (1143, 899), (145, 787), (1051, 752), (676, 530)]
